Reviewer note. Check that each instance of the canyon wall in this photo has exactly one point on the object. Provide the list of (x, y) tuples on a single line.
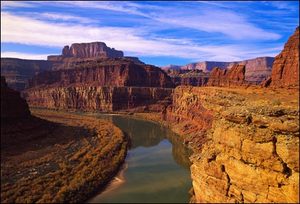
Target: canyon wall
[(188, 77), (97, 98), (256, 70), (18, 71), (235, 76), (245, 142), (116, 72), (285, 72)]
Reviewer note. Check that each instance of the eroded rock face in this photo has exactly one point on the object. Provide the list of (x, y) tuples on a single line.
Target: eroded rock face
[(251, 147), (13, 107), (96, 98), (18, 71), (188, 77), (116, 72), (232, 77), (87, 50), (256, 70), (285, 72)]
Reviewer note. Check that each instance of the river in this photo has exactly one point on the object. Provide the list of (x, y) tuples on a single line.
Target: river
[(156, 168)]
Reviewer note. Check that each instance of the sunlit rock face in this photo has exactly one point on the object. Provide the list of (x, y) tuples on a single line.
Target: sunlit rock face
[(285, 71), (245, 149), (98, 98), (256, 70), (223, 77), (87, 50), (112, 72)]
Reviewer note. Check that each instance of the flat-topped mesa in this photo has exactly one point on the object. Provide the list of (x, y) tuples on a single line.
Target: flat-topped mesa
[(227, 77), (112, 72), (87, 50), (285, 71)]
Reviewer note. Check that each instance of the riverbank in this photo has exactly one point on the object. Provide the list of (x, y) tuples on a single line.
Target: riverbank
[(245, 142), (64, 158)]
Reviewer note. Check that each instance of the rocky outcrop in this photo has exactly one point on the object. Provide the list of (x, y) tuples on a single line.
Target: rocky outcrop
[(250, 150), (18, 71), (114, 72), (256, 70), (87, 50), (13, 107), (96, 98), (188, 77), (223, 77), (285, 72)]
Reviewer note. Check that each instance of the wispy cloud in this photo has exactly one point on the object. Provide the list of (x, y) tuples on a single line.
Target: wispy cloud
[(36, 32), (59, 17), (24, 55), (125, 7), (222, 31), (16, 4)]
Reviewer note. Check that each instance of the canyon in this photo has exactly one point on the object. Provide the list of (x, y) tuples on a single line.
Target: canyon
[(245, 139), (256, 70), (18, 71), (46, 167), (245, 142)]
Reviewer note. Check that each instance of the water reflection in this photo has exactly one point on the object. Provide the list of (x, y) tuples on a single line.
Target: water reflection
[(157, 165), (147, 134)]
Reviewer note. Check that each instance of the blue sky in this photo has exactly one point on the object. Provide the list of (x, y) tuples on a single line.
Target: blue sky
[(159, 33)]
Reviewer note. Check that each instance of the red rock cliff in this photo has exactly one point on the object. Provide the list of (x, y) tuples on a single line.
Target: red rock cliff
[(87, 50), (232, 77), (97, 98), (285, 71), (117, 72)]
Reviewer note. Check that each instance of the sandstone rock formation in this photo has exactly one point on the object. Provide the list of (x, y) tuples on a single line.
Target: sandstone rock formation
[(13, 107), (113, 72), (18, 71), (251, 146), (97, 98), (235, 76), (188, 77), (285, 72), (87, 50), (256, 70)]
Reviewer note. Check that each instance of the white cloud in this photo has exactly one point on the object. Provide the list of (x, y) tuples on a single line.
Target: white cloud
[(24, 55), (26, 30), (125, 7), (219, 21), (63, 17), (8, 4)]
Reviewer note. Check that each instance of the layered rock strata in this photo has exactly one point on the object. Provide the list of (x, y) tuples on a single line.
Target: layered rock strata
[(18, 71), (256, 70), (114, 72), (223, 77), (251, 143), (97, 98), (87, 50), (285, 72), (188, 77)]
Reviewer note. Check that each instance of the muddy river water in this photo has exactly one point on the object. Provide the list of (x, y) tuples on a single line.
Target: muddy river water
[(156, 168)]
